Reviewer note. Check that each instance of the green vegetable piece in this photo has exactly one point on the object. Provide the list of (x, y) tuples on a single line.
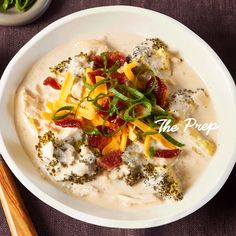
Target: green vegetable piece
[(60, 117)]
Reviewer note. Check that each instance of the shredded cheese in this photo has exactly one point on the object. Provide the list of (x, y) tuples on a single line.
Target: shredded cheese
[(32, 122), (147, 143), (157, 137), (128, 70), (49, 105), (66, 86), (102, 88), (88, 80), (88, 114), (112, 146), (132, 135), (46, 115)]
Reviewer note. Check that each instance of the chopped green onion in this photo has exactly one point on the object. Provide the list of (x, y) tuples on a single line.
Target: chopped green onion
[(113, 108), (4, 5), (104, 81), (152, 152), (104, 59), (150, 132), (114, 68), (22, 5), (171, 140), (87, 85), (95, 101), (120, 95), (94, 130), (134, 92), (65, 108), (160, 115), (128, 117), (152, 88), (117, 130)]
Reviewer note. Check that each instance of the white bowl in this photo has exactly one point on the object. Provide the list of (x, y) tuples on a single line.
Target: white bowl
[(150, 24)]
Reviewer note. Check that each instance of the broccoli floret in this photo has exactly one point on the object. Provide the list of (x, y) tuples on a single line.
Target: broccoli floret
[(164, 182), (134, 176), (153, 54)]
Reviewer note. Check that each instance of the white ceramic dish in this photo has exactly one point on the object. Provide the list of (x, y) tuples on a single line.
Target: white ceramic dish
[(13, 18), (151, 24)]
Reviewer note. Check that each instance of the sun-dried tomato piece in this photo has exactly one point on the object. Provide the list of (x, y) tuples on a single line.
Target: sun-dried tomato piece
[(112, 58), (115, 57), (52, 82), (160, 91), (111, 160), (115, 121), (120, 77), (97, 60), (69, 123), (105, 107), (92, 75), (98, 141), (104, 129), (167, 153)]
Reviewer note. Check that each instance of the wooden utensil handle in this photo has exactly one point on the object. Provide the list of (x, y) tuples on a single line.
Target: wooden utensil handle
[(17, 216)]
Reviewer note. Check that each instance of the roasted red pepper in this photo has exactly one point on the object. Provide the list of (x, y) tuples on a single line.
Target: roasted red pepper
[(50, 81)]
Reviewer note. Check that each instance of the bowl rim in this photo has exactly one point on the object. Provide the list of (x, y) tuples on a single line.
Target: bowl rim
[(43, 196)]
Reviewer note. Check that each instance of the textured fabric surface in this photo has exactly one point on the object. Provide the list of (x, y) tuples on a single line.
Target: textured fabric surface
[(214, 21)]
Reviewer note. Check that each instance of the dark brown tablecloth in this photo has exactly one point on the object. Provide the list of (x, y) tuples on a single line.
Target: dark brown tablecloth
[(214, 21)]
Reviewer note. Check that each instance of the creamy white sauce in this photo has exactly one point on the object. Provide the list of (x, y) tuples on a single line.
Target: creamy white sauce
[(107, 190)]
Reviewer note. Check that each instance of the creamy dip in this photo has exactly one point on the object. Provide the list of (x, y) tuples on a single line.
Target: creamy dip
[(107, 189)]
